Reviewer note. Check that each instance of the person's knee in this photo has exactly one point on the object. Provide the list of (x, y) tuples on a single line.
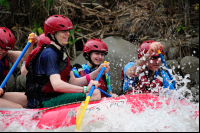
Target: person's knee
[(18, 106), (96, 94), (8, 104)]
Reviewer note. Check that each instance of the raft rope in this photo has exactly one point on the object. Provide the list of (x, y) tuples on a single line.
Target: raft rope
[(37, 114)]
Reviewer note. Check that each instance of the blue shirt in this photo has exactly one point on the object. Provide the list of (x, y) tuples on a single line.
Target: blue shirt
[(86, 68), (130, 82), (47, 63)]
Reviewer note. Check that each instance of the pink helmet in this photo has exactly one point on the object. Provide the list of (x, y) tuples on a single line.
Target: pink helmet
[(94, 45), (7, 39), (144, 47), (42, 39), (57, 23)]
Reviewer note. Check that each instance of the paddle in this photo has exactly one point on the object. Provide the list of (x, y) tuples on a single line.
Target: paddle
[(84, 104), (163, 61), (16, 63), (102, 91)]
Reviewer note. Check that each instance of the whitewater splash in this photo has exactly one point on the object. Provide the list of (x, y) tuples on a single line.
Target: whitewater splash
[(170, 116)]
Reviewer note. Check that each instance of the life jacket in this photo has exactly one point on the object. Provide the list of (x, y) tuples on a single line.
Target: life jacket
[(143, 85), (102, 80), (5, 67), (39, 87)]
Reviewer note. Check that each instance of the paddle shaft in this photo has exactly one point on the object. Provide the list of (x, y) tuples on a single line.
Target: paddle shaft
[(97, 79), (84, 104), (15, 64), (102, 91), (164, 62)]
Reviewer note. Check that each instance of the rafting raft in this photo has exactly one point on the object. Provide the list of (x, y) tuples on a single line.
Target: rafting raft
[(65, 115)]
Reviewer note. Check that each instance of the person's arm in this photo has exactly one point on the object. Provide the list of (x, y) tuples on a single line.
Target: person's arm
[(13, 55), (24, 71), (61, 86), (137, 67), (82, 80), (1, 91), (140, 65)]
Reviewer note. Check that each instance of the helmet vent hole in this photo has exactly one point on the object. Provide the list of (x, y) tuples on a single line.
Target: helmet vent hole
[(2, 42), (63, 16), (56, 16), (9, 35), (4, 31), (148, 42), (96, 46), (61, 25)]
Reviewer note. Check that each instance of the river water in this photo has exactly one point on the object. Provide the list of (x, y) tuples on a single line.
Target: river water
[(173, 117), (122, 119)]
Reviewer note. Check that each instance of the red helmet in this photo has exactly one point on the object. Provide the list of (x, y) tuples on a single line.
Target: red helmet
[(7, 39), (42, 39), (144, 47), (57, 23), (94, 45)]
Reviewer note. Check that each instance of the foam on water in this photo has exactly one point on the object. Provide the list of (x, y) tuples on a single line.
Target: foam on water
[(175, 117), (172, 117)]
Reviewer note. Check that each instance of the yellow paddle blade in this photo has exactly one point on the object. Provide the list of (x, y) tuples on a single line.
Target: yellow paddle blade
[(80, 113)]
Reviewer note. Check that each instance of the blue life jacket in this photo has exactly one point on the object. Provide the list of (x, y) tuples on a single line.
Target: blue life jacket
[(132, 82)]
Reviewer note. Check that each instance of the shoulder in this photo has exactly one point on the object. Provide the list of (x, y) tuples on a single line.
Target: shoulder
[(130, 64), (85, 66), (49, 52)]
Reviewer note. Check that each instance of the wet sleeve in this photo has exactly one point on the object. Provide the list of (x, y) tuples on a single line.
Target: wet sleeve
[(128, 82), (166, 81), (130, 64)]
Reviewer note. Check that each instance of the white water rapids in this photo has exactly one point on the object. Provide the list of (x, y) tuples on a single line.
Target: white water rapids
[(122, 119)]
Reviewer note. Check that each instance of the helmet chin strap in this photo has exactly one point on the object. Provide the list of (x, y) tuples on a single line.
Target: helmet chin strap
[(55, 40), (87, 57), (93, 65)]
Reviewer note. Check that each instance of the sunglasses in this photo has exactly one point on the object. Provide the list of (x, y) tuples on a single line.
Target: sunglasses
[(155, 57)]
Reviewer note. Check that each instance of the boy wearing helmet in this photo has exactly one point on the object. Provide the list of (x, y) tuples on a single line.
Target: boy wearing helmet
[(94, 51), (7, 42), (50, 81), (145, 75)]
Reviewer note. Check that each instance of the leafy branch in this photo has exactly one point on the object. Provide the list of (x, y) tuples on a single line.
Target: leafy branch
[(37, 29), (5, 3), (71, 41)]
